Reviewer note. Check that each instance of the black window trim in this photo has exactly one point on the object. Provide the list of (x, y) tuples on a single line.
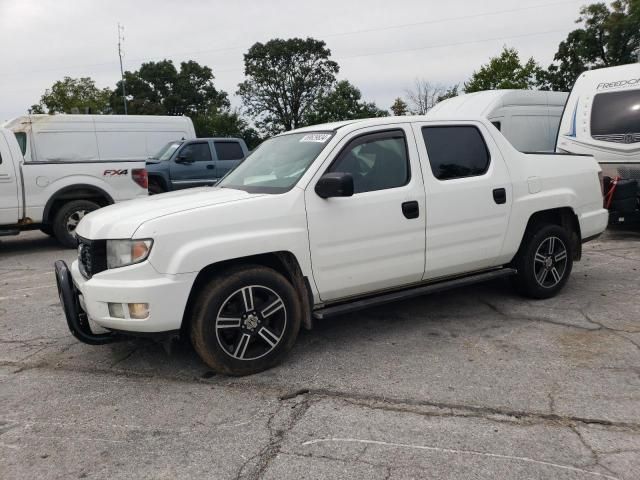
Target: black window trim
[(484, 142), (376, 135), (188, 144)]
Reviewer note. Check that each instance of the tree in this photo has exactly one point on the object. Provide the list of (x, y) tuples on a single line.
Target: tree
[(74, 95), (449, 93), (343, 102), (610, 36), (284, 79), (424, 95), (505, 71), (226, 124), (157, 88), (400, 107)]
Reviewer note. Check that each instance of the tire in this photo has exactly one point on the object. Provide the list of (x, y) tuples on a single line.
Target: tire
[(67, 218), (626, 188), (545, 248), (624, 205), (47, 230), (245, 320), (155, 188)]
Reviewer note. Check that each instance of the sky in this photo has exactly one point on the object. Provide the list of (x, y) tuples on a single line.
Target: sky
[(381, 46)]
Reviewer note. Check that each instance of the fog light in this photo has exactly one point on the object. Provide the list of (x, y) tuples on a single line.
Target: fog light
[(138, 310), (116, 310)]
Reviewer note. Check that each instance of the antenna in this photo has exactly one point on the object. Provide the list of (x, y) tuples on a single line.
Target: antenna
[(120, 53)]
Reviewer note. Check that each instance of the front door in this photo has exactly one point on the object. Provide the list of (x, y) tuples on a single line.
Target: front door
[(9, 212), (375, 239), (469, 197), (193, 166)]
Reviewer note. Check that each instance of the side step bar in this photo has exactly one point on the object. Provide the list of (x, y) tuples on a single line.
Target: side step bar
[(343, 308), (7, 233)]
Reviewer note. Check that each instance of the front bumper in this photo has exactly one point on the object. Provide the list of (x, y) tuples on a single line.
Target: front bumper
[(166, 295)]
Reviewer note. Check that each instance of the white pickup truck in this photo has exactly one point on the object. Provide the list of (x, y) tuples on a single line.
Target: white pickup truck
[(54, 195), (324, 220)]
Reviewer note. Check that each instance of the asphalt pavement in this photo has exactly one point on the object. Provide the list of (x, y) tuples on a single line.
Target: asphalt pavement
[(475, 383)]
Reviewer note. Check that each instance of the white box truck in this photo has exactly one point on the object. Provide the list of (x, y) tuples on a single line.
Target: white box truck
[(54, 169)]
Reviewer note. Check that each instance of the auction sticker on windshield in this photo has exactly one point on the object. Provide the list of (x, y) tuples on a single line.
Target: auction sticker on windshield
[(316, 137)]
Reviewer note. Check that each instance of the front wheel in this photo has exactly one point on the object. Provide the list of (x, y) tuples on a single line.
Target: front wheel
[(245, 320), (67, 218), (544, 261)]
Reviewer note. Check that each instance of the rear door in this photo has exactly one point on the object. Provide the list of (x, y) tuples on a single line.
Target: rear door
[(9, 206), (229, 153), (375, 239), (469, 197), (193, 166)]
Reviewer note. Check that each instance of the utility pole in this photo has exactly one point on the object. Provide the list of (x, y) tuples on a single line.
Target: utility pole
[(120, 40)]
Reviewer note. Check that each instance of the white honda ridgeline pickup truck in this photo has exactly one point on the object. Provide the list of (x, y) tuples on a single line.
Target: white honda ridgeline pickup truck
[(325, 220)]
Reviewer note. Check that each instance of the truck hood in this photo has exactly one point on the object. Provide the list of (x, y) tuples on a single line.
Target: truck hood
[(123, 219)]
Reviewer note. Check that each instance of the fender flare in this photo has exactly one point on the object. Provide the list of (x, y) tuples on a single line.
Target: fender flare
[(78, 186)]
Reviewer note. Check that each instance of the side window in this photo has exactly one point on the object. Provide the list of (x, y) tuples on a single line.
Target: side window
[(196, 152), (497, 124), (377, 161), (228, 150), (21, 137), (456, 152)]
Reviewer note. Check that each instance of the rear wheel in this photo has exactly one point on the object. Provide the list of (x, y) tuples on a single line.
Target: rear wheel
[(67, 218), (544, 261), (47, 229), (245, 320)]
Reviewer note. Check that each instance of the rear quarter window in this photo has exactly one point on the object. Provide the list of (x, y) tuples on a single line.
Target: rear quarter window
[(228, 150), (456, 151)]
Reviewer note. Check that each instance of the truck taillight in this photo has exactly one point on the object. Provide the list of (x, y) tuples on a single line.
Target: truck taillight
[(140, 176)]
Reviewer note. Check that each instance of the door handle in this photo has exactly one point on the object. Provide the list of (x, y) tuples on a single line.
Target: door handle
[(210, 167), (411, 209), (5, 177), (500, 195)]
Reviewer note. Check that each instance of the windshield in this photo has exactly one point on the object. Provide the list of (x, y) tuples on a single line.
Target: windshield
[(277, 164), (166, 151)]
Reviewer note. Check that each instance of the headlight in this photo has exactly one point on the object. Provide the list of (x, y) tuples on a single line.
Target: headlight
[(121, 253)]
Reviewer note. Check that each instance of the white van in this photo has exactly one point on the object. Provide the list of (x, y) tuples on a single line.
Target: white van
[(87, 138), (602, 118), (527, 118)]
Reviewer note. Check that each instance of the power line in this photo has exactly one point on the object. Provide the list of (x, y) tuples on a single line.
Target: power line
[(330, 35)]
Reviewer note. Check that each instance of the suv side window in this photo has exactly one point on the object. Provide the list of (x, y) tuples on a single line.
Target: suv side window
[(228, 150), (376, 161), (456, 151), (196, 152)]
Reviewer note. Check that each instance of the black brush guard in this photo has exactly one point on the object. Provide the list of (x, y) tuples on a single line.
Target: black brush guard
[(77, 320)]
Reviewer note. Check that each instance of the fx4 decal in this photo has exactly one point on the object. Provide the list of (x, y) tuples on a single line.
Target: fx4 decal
[(114, 173)]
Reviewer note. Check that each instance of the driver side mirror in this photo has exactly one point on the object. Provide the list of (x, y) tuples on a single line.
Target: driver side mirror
[(335, 184)]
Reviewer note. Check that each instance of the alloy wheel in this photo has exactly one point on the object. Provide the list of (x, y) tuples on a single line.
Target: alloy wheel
[(550, 262), (251, 322)]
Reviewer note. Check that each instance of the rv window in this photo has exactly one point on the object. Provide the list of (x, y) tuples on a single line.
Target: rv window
[(229, 151), (456, 152), (497, 125), (21, 137), (615, 113)]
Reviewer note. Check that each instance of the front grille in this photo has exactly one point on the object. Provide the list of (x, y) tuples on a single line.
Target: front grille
[(92, 256), (619, 137)]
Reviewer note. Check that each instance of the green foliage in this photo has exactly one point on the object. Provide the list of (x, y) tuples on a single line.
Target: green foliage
[(284, 78), (226, 124), (610, 36), (157, 88), (449, 93), (343, 102), (399, 107), (74, 95), (505, 71)]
